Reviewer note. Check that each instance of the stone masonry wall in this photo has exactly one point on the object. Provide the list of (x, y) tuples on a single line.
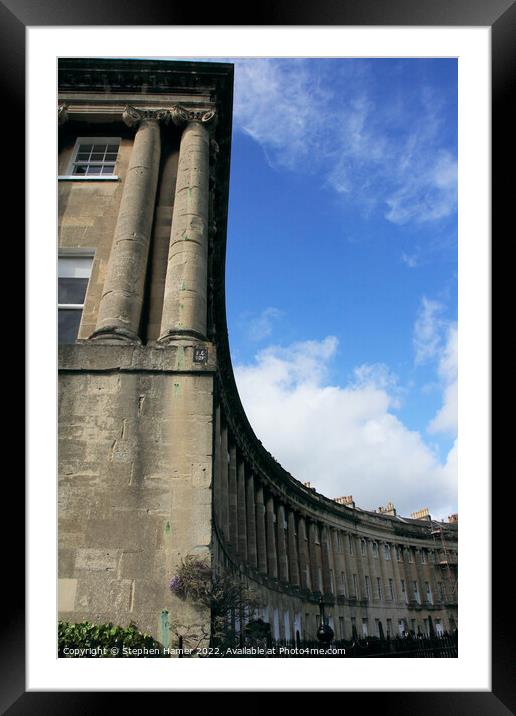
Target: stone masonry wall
[(135, 466)]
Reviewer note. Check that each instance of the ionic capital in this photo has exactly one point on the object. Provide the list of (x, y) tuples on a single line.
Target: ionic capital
[(62, 114), (133, 116), (181, 116)]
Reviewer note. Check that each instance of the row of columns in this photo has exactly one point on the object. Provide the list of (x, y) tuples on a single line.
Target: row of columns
[(276, 540), (185, 297), (262, 530)]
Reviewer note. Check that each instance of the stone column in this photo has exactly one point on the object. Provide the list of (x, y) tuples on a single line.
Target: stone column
[(405, 575), (252, 553), (315, 557), (233, 525), (272, 559), (260, 531), (433, 580), (224, 488), (359, 562), (325, 561), (338, 558), (217, 478), (418, 569), (282, 544), (348, 566), (372, 572), (292, 549), (186, 284), (396, 573), (410, 571), (304, 559), (118, 318), (241, 511), (382, 568)]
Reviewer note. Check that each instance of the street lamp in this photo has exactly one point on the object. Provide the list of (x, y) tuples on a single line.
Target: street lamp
[(324, 632)]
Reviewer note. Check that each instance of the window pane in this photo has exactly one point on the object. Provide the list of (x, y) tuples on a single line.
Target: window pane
[(94, 169), (83, 157), (74, 266), (85, 148), (68, 325), (108, 169), (97, 157), (110, 158), (112, 148), (71, 290), (79, 169), (99, 148)]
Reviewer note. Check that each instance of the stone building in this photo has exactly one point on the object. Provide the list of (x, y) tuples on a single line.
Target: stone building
[(157, 459)]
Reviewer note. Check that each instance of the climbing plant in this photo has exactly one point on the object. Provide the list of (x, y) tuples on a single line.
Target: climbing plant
[(228, 599)]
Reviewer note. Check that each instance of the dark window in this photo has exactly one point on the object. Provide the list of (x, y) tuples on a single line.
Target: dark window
[(73, 277)]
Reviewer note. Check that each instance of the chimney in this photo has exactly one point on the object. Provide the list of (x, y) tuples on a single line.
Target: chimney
[(346, 500), (422, 514), (389, 509)]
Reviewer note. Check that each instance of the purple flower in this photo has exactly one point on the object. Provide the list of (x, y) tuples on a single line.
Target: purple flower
[(175, 584)]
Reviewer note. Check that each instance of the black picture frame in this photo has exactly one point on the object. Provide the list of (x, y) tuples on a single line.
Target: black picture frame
[(500, 15)]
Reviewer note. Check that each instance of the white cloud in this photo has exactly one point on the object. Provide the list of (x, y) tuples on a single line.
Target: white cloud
[(410, 260), (436, 338), (344, 440), (446, 419), (259, 327), (277, 104), (382, 155), (428, 330)]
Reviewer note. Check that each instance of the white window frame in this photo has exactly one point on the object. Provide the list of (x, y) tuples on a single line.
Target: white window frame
[(75, 253), (70, 176)]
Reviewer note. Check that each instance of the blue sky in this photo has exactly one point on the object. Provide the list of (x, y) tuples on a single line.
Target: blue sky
[(342, 272)]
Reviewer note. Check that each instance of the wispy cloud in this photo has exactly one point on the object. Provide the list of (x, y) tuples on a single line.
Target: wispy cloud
[(446, 419), (428, 330), (436, 339), (258, 327), (344, 439), (383, 154)]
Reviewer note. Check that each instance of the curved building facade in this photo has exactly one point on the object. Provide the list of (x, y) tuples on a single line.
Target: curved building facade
[(157, 459)]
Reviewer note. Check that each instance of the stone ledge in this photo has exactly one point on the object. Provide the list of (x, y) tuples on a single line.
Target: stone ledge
[(172, 358)]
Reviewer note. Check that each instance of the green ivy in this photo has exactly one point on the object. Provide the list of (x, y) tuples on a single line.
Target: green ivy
[(87, 640)]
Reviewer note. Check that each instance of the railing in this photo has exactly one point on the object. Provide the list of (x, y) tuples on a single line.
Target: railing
[(443, 646)]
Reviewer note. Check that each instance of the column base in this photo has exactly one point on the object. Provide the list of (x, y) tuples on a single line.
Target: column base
[(112, 335), (177, 335)]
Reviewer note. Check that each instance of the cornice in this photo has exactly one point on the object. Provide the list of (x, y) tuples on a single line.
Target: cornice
[(145, 76)]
